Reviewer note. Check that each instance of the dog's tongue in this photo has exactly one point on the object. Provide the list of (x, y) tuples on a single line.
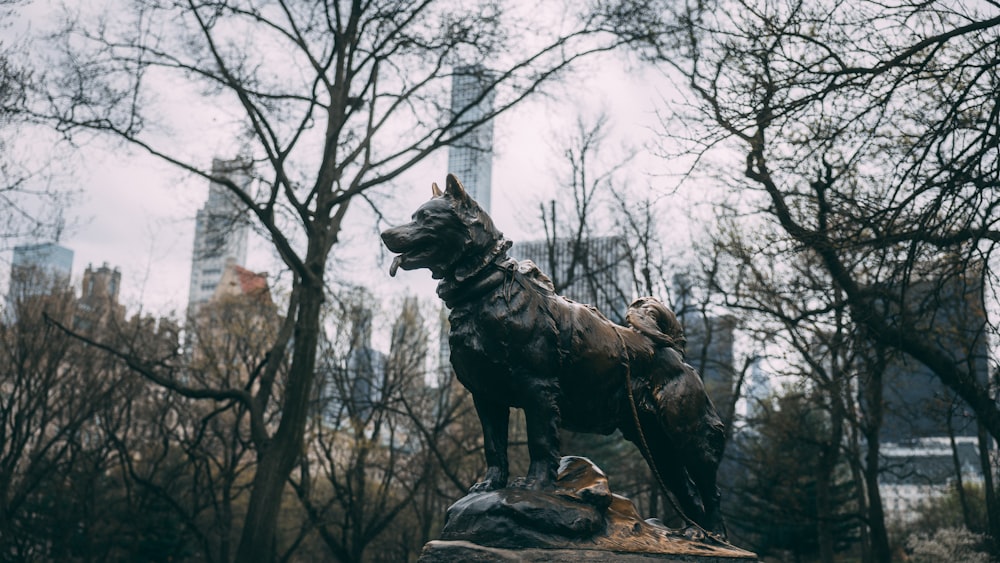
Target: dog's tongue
[(395, 265)]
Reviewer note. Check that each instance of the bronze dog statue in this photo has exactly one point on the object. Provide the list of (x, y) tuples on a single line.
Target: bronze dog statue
[(516, 343)]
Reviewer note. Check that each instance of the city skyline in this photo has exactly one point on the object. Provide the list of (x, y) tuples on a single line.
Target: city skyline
[(138, 212)]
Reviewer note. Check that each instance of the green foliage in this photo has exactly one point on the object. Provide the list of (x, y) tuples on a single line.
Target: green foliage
[(946, 512), (771, 472), (948, 544)]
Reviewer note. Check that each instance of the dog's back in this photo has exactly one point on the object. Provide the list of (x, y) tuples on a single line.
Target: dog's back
[(523, 327)]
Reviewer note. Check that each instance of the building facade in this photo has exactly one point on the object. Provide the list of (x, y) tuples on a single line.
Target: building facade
[(949, 314), (710, 343), (220, 233), (594, 271), (929, 435)]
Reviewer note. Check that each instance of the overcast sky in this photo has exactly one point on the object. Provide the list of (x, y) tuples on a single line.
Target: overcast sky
[(137, 214)]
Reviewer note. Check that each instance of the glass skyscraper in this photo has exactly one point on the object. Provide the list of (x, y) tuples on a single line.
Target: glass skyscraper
[(48, 259), (35, 270), (471, 157), (220, 233)]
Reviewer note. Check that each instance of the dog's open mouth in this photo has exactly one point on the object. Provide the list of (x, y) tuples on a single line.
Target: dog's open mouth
[(411, 259)]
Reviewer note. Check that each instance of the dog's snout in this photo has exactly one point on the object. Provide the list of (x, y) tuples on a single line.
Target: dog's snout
[(391, 238)]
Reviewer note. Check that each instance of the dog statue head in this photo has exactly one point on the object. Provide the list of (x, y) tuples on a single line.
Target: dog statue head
[(450, 235)]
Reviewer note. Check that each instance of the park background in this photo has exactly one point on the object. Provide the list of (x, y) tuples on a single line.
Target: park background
[(812, 187)]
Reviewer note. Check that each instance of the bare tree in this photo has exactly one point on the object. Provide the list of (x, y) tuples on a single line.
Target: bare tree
[(576, 252), (32, 207), (873, 154), (333, 101), (803, 329), (55, 399), (380, 441), (884, 178)]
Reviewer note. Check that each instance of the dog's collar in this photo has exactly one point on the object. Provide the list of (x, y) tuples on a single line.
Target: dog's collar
[(484, 279)]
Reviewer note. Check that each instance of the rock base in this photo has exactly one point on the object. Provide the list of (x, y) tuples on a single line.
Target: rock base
[(581, 520), (463, 552)]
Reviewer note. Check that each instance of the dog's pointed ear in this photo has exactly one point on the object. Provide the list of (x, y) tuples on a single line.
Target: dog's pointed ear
[(455, 189), (435, 190)]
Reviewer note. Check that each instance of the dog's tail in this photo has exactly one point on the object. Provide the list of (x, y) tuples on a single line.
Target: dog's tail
[(649, 316)]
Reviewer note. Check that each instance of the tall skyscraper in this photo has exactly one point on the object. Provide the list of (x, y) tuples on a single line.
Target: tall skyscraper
[(471, 158), (710, 342), (220, 233), (47, 259), (35, 270)]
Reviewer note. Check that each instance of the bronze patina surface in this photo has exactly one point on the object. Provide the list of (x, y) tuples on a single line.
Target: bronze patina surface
[(516, 343)]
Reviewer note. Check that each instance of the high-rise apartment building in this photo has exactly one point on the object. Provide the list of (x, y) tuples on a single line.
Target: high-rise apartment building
[(593, 270), (98, 303), (220, 233), (101, 284), (928, 433), (710, 343), (950, 316), (471, 157)]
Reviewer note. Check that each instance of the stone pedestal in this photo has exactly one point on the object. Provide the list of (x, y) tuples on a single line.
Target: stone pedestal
[(580, 521), (465, 552)]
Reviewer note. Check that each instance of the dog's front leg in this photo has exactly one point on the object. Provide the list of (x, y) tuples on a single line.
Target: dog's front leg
[(494, 419), (542, 419)]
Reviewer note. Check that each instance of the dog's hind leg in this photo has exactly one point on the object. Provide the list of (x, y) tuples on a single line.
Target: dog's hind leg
[(494, 419), (704, 456), (663, 459)]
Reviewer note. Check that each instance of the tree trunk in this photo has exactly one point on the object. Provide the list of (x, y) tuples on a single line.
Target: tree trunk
[(858, 477), (962, 500), (276, 460), (824, 488), (829, 457), (989, 488), (824, 513), (876, 513), (872, 427)]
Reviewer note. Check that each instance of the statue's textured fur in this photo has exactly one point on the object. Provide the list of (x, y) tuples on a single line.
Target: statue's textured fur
[(516, 343)]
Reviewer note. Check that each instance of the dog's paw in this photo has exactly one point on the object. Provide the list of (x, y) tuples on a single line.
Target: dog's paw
[(484, 487), (532, 484), (694, 533)]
